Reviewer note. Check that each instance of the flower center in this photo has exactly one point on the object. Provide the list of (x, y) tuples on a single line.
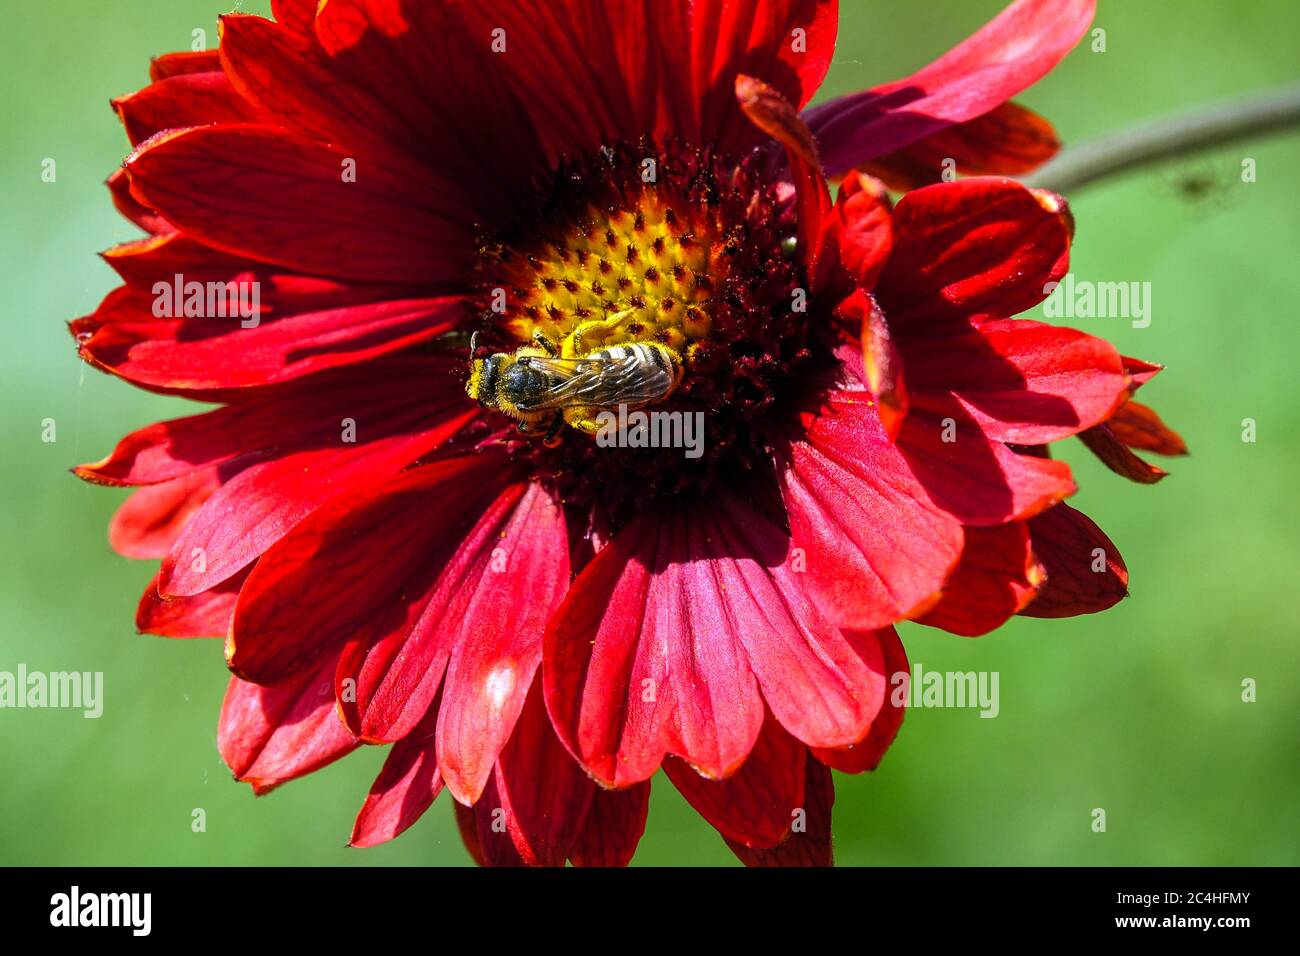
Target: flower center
[(640, 272), (660, 251)]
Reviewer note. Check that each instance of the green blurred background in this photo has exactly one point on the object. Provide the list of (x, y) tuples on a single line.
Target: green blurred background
[(1137, 711)]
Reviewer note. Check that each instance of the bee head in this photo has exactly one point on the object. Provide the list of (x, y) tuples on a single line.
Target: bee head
[(483, 375), (522, 384)]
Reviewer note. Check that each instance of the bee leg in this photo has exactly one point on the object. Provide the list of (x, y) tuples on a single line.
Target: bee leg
[(553, 433), (546, 344), (615, 322), (605, 327), (575, 346), (583, 420)]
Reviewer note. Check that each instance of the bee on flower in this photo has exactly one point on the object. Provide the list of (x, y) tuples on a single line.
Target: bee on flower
[(623, 204)]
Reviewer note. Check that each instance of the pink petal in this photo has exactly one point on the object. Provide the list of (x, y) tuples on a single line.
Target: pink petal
[(867, 753), (1020, 381), (353, 564), (499, 645), (1011, 52), (875, 547)]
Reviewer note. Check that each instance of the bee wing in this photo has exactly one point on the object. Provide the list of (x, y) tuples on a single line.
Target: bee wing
[(566, 367), (576, 376), (602, 382)]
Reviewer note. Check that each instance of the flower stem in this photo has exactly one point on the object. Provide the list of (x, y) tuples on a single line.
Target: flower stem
[(1169, 136)]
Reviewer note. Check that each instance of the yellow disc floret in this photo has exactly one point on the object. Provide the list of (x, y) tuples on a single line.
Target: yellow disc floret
[(642, 273)]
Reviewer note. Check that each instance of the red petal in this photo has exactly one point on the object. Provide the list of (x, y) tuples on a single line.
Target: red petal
[(1010, 53), (864, 219), (1115, 455), (387, 396), (1020, 381), (355, 558), (977, 481), (998, 575), (498, 643), (866, 754), (788, 44), (144, 262), (406, 786), (204, 615), (593, 74), (1070, 546), (754, 806), (260, 505), (1138, 426), (579, 69), (467, 824), (298, 85), (192, 99), (613, 827), (261, 192), (810, 845), (721, 599), (148, 523), (874, 546), (1139, 371), (643, 660), (542, 795), (485, 830), (882, 364), (304, 331), (342, 88), (1007, 141), (777, 117), (298, 15), (269, 735), (183, 63), (468, 604), (119, 185), (977, 247)]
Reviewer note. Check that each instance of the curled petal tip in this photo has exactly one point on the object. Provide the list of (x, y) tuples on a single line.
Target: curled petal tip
[(1056, 204)]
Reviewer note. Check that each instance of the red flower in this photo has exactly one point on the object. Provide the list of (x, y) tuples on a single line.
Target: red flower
[(379, 548)]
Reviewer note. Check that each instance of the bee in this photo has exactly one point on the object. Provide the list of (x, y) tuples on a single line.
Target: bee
[(543, 386)]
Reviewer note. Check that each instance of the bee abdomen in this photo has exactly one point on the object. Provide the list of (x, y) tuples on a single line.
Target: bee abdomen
[(664, 359)]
